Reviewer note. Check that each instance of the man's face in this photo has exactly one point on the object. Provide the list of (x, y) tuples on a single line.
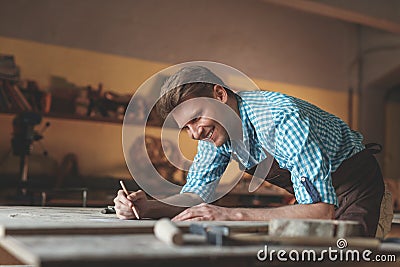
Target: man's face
[(202, 120)]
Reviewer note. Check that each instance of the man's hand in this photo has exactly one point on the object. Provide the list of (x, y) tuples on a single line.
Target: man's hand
[(124, 204), (208, 212)]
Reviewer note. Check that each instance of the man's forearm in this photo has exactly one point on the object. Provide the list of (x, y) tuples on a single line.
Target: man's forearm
[(301, 211), (158, 209)]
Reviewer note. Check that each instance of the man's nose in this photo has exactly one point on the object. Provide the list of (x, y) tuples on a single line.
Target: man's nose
[(194, 131)]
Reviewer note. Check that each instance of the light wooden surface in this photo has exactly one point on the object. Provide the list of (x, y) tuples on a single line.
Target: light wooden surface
[(50, 237), (24, 220), (395, 231), (116, 250), (144, 250)]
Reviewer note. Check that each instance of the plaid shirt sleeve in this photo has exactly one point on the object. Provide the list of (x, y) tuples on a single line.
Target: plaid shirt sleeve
[(304, 158), (207, 168)]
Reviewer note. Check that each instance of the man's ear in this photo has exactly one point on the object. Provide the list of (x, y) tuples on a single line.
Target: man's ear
[(220, 93)]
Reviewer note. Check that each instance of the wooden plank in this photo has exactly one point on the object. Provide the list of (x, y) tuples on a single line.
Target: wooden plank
[(17, 250), (395, 231), (396, 218), (22, 220), (314, 227), (8, 259), (142, 250), (120, 250), (312, 241), (51, 220), (77, 229), (119, 227)]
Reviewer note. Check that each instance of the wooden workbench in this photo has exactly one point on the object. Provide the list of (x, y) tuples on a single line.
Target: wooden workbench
[(24, 220), (48, 236)]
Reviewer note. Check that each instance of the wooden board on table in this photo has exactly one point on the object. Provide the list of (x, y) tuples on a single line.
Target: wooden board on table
[(139, 250), (119, 250), (396, 218), (22, 220)]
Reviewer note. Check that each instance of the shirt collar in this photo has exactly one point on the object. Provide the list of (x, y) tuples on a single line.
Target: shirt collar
[(241, 149), (245, 119)]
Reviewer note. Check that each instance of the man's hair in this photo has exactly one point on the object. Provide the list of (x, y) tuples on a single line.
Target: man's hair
[(192, 81)]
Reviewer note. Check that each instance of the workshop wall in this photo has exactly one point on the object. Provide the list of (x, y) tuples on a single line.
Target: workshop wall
[(392, 140), (264, 41), (380, 73), (98, 145), (122, 44)]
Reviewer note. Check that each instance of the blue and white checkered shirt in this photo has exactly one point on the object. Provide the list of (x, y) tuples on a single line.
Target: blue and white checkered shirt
[(303, 139)]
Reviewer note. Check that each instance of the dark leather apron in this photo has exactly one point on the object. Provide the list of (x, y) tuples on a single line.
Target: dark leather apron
[(358, 184)]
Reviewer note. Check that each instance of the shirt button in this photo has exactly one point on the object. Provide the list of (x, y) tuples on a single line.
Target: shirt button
[(303, 179)]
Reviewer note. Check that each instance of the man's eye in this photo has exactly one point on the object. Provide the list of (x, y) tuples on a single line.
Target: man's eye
[(194, 120)]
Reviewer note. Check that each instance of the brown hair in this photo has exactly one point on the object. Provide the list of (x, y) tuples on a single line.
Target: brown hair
[(175, 96), (192, 81)]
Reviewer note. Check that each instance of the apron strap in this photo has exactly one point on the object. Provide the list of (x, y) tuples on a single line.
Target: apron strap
[(374, 148)]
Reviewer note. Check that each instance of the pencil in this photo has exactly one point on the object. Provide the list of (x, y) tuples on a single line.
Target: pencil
[(127, 193)]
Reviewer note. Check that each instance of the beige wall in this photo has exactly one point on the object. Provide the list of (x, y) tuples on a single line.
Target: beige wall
[(39, 61), (264, 41), (123, 44), (98, 145)]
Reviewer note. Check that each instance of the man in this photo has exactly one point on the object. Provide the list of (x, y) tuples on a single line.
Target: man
[(316, 156)]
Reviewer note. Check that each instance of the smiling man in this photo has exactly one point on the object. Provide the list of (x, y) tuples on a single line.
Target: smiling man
[(314, 155)]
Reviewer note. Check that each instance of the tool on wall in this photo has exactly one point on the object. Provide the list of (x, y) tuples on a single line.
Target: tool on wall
[(24, 135)]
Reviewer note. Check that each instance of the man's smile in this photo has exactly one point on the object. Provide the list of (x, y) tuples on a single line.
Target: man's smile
[(209, 135)]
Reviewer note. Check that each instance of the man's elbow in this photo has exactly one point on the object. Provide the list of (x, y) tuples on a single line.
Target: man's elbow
[(325, 211)]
